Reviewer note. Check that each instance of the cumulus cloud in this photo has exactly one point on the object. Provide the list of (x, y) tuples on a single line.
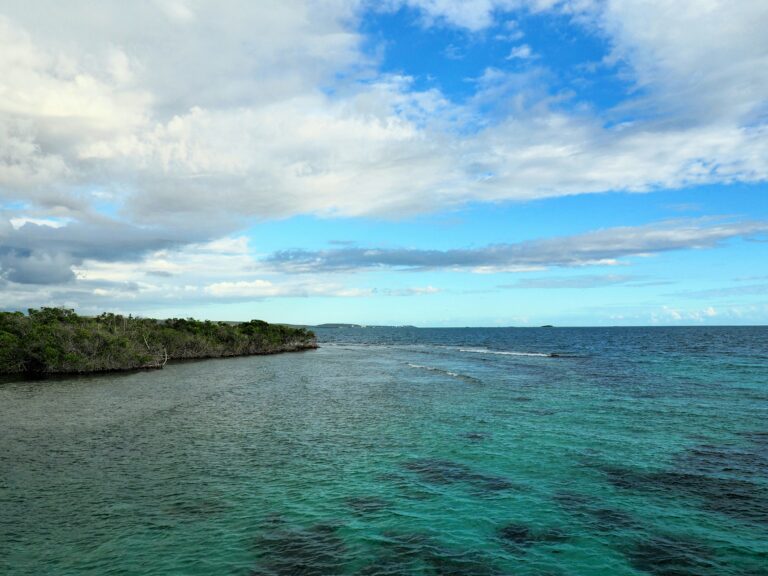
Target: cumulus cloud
[(36, 252), (188, 109), (698, 61), (522, 52), (186, 121), (601, 247)]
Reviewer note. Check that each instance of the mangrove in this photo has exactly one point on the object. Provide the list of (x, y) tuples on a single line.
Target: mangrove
[(59, 341)]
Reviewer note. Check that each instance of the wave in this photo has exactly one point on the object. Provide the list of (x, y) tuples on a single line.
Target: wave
[(445, 350), (508, 353), (443, 371)]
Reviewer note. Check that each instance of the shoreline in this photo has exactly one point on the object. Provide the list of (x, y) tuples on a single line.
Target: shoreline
[(8, 377), (57, 341)]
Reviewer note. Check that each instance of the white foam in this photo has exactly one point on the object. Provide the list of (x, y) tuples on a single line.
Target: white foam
[(503, 353)]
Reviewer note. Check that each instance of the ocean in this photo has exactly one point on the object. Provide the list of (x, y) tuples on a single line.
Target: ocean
[(399, 451)]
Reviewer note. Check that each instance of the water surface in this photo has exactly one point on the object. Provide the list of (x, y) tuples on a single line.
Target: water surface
[(401, 451)]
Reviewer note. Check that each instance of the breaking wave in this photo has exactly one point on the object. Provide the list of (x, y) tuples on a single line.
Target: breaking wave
[(507, 353)]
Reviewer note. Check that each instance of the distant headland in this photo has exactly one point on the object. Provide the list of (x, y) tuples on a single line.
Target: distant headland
[(58, 341)]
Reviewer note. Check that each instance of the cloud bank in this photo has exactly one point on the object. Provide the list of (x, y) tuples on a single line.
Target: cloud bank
[(602, 247)]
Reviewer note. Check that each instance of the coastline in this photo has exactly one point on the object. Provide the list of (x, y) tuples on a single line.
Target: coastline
[(58, 342), (17, 376)]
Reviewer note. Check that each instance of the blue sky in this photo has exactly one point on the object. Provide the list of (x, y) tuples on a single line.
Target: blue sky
[(426, 162)]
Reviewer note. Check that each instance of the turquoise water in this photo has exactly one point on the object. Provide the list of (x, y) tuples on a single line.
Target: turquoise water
[(401, 451)]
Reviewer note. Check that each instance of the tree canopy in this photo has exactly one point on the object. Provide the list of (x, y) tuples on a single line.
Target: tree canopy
[(57, 340)]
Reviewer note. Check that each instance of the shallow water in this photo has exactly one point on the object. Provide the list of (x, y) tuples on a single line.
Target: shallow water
[(401, 451)]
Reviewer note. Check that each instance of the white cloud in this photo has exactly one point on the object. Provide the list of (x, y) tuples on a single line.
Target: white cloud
[(700, 60), (194, 118), (248, 289), (604, 247), (413, 291), (475, 15), (673, 315), (50, 222), (247, 129), (521, 52)]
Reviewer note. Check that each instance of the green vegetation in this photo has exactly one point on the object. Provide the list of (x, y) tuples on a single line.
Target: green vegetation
[(57, 341)]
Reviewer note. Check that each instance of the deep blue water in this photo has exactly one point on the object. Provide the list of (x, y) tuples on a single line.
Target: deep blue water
[(402, 451)]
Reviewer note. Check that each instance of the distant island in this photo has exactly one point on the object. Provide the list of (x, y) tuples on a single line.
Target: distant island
[(58, 341)]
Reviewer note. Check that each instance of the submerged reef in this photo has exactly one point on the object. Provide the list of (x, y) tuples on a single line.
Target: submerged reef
[(58, 341)]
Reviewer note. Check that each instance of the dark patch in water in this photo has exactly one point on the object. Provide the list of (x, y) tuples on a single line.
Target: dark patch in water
[(756, 436), (194, 508), (420, 554), (709, 459), (391, 477), (439, 471), (609, 519), (436, 471), (602, 518), (493, 483), (739, 499), (522, 536), (314, 551), (572, 500), (543, 412), (670, 556), (367, 504), (521, 399), (452, 563), (476, 436)]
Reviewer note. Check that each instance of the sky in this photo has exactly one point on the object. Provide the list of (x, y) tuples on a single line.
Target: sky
[(420, 162)]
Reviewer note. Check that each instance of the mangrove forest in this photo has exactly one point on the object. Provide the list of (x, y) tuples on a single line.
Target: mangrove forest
[(59, 341)]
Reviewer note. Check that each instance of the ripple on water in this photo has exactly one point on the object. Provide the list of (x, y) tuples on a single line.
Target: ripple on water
[(364, 505), (476, 436), (666, 555), (375, 467), (289, 550), (601, 518), (522, 536), (437, 471), (739, 499), (416, 553)]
